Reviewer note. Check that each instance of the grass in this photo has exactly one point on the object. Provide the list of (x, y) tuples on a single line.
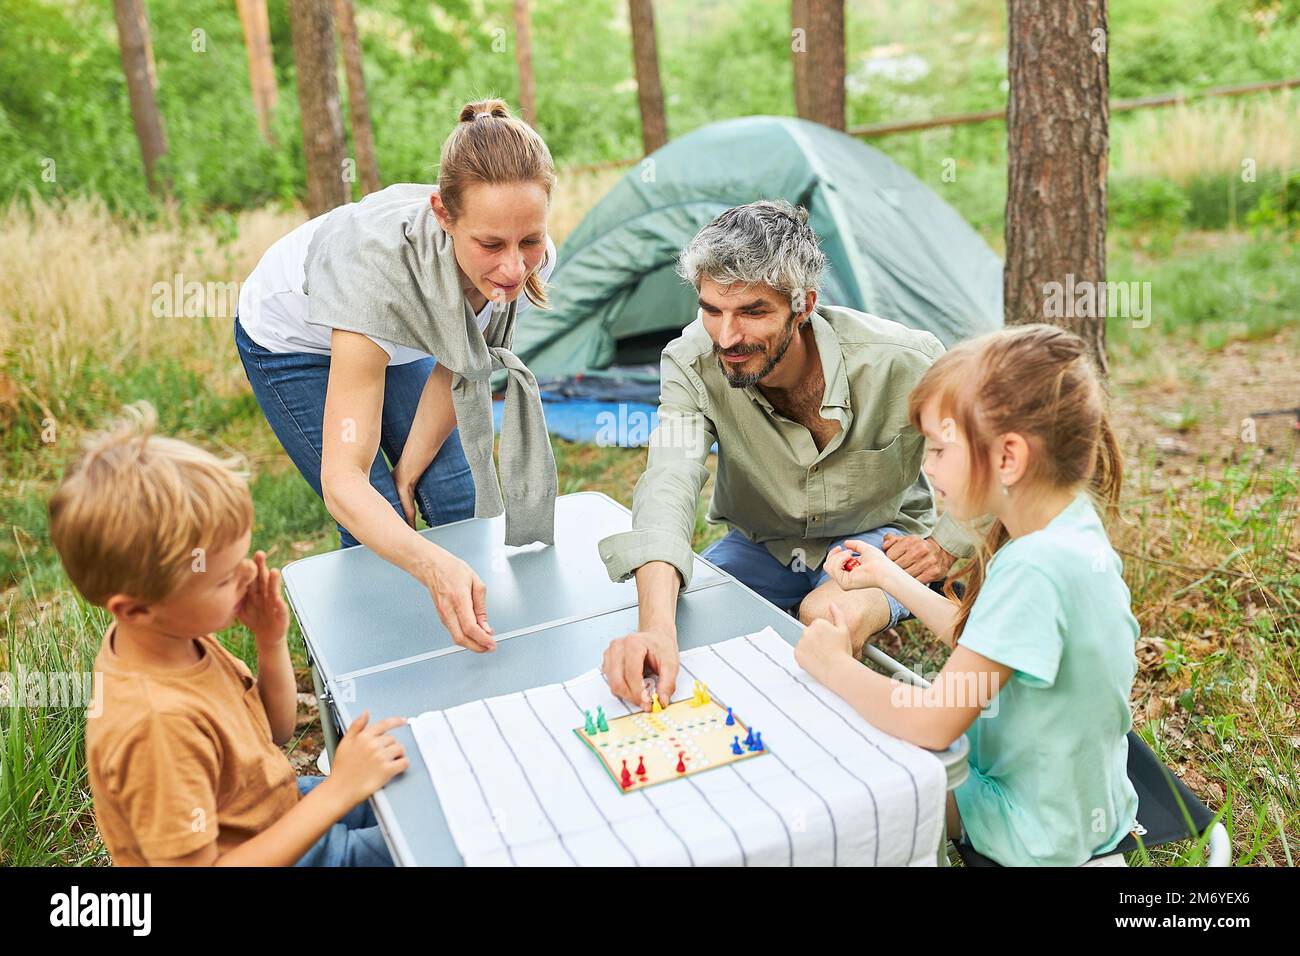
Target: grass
[(1210, 544)]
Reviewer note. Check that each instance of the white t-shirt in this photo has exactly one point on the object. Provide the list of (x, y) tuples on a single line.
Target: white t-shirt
[(273, 307)]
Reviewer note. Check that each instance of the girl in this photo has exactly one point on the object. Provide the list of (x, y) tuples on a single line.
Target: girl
[(1043, 639), (424, 262)]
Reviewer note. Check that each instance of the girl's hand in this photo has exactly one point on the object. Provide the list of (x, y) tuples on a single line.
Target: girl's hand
[(262, 608), (824, 645), (863, 570)]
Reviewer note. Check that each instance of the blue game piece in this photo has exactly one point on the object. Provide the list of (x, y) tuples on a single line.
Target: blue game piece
[(731, 721), (758, 742), (749, 739), (735, 745)]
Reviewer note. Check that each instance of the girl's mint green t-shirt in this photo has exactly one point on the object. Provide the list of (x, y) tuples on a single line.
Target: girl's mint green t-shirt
[(1048, 780)]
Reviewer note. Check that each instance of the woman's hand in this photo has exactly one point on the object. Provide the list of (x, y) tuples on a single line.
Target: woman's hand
[(461, 599), (825, 645), (850, 571), (406, 478)]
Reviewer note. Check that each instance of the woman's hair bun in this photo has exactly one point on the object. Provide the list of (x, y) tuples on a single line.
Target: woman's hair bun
[(471, 111)]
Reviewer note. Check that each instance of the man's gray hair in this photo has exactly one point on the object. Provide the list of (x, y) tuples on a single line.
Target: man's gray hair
[(761, 243)]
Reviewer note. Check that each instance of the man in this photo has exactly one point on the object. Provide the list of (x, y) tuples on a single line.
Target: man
[(808, 406)]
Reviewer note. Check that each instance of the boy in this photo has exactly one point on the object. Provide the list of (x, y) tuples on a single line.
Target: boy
[(184, 758)]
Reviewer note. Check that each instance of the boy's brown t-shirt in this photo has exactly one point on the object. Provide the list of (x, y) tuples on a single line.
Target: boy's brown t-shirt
[(180, 758)]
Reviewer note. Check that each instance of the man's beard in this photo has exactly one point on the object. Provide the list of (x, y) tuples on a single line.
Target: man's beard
[(739, 380)]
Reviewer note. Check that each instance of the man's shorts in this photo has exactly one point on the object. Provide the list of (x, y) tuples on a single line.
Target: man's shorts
[(785, 586)]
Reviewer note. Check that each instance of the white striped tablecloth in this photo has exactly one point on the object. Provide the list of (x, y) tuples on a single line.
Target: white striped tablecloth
[(518, 787)]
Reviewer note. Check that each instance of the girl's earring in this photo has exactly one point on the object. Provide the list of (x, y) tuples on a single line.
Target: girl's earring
[(1005, 492)]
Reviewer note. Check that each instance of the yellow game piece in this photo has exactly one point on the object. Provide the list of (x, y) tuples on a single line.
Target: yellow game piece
[(656, 707), (695, 695), (704, 694)]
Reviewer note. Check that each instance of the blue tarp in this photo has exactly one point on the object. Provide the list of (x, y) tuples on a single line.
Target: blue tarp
[(625, 424)]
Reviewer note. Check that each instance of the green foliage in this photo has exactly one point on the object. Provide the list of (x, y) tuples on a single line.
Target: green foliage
[(1147, 203), (64, 111), (1211, 296), (1278, 209)]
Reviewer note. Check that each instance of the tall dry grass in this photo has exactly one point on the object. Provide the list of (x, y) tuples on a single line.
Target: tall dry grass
[(77, 282), (1209, 138)]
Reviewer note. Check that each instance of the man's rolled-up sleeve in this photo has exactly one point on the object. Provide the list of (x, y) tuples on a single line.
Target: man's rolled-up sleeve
[(663, 503), (953, 537)]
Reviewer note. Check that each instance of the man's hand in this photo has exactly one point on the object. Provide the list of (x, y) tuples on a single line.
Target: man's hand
[(920, 557), (629, 660), (262, 608)]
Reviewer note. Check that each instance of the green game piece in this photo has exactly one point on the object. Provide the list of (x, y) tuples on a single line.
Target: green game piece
[(601, 723), (588, 726)]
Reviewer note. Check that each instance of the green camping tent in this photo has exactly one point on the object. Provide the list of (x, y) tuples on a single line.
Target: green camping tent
[(895, 249)]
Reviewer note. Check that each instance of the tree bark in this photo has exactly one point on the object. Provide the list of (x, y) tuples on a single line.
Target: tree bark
[(318, 102), (817, 48), (261, 67), (524, 60), (363, 135), (1057, 153), (645, 59), (141, 85)]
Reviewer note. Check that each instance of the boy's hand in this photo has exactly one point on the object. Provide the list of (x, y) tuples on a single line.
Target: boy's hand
[(849, 571), (367, 757), (824, 645), (262, 608)]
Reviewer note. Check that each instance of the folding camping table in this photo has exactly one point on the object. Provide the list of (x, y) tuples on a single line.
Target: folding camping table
[(375, 641)]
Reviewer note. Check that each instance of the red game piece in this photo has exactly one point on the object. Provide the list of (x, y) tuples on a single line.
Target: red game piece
[(627, 777), (681, 762), (851, 563), (640, 767)]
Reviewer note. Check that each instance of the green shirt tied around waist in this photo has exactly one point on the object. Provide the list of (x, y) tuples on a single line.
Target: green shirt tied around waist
[(772, 484), (1048, 782)]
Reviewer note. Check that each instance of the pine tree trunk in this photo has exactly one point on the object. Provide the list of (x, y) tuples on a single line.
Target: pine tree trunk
[(524, 60), (363, 136), (817, 48), (645, 59), (141, 85), (318, 104), (261, 67), (1057, 145)]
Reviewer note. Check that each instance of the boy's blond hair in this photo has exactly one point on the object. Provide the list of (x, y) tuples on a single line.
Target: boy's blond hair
[(133, 510)]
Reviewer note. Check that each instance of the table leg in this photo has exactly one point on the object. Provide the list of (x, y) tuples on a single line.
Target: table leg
[(325, 708)]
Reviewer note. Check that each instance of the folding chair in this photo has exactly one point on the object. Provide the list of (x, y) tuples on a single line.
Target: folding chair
[(1164, 806)]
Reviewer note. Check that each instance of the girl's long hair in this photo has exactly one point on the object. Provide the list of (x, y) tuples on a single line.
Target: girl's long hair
[(1040, 382)]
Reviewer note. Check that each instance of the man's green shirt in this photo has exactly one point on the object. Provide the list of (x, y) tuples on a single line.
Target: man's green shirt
[(772, 483)]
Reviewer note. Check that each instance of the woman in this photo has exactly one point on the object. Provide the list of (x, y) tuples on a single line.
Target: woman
[(357, 333)]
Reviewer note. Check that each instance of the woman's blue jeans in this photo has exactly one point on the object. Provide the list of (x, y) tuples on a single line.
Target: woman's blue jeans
[(290, 388)]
